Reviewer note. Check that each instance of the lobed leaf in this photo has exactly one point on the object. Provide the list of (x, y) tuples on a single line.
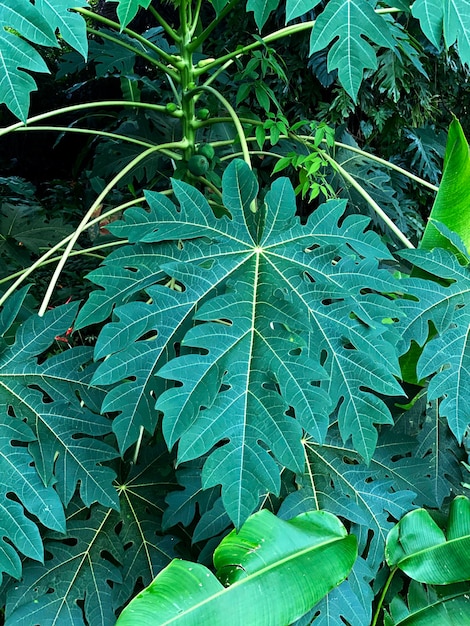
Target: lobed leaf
[(269, 317), (56, 399), (349, 25), (22, 23), (446, 355)]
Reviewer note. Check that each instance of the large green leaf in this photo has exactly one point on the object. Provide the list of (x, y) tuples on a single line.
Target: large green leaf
[(76, 583), (56, 399), (427, 606), (265, 565), (451, 19), (91, 571), (425, 553), (368, 496), (21, 23), (447, 354), (349, 25), (269, 308), (452, 204)]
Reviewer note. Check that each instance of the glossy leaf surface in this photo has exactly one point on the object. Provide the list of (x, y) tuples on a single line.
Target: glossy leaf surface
[(276, 571)]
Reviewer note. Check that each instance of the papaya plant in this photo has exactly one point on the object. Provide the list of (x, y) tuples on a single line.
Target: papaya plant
[(251, 342)]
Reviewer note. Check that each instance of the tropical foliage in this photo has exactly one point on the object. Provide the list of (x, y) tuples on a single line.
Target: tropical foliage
[(269, 352)]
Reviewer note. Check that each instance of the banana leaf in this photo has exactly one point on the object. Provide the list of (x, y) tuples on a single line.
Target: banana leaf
[(276, 571), (452, 204), (442, 606), (422, 550)]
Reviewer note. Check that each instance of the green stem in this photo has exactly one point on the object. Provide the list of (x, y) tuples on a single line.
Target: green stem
[(200, 39), (372, 203), (195, 19), (81, 227), (128, 46), (164, 24), (234, 117), (81, 107), (382, 596), (168, 58)]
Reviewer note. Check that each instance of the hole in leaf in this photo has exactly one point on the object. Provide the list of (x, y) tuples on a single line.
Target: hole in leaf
[(148, 336)]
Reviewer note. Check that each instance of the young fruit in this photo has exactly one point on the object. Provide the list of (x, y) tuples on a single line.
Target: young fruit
[(203, 114), (198, 164), (171, 107), (206, 150)]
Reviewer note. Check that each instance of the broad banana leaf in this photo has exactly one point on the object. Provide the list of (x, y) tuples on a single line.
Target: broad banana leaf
[(277, 571), (452, 204), (430, 607), (418, 547)]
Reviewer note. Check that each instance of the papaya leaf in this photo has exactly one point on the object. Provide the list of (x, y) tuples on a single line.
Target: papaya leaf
[(452, 204), (422, 550), (438, 447), (19, 476), (296, 8), (22, 23), (271, 299), (261, 10), (367, 496), (349, 25), (448, 19), (350, 602), (183, 503), (268, 554), (447, 354), (56, 399), (146, 549), (127, 10), (75, 586), (428, 606)]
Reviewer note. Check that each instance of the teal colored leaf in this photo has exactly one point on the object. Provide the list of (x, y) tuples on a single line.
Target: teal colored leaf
[(296, 8), (57, 401), (438, 448), (368, 496), (18, 476), (11, 308), (422, 550), (264, 566), (429, 606), (350, 602), (71, 25), (146, 549), (261, 9), (36, 24), (452, 205), (127, 10), (448, 19), (447, 354), (75, 585), (183, 503), (271, 298), (349, 25)]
